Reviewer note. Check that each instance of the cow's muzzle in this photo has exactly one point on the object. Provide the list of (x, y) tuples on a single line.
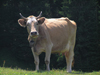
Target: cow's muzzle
[(34, 34)]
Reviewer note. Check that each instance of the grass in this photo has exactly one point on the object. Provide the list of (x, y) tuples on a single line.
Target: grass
[(9, 71)]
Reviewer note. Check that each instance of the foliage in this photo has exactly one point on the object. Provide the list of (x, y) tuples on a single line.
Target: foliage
[(14, 45)]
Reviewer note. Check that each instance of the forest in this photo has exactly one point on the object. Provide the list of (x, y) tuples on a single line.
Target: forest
[(14, 46)]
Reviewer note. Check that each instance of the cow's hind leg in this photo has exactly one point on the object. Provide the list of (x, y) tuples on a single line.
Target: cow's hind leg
[(70, 55), (69, 58), (36, 59)]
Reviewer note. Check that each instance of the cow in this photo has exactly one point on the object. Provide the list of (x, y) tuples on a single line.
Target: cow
[(53, 35)]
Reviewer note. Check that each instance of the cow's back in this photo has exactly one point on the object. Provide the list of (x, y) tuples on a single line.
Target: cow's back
[(60, 31)]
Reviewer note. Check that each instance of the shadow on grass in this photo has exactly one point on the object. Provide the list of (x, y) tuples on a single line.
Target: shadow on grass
[(41, 71)]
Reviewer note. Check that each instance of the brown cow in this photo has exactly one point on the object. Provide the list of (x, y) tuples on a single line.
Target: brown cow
[(55, 35)]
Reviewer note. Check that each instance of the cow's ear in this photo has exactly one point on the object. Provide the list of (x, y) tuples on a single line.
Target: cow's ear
[(22, 22), (41, 20)]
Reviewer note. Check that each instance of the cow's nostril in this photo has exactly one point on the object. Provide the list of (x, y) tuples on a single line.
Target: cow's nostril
[(33, 33)]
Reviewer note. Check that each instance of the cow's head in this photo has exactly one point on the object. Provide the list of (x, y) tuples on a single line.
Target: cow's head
[(32, 23)]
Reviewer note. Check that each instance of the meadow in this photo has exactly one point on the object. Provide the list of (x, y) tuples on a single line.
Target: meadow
[(10, 71)]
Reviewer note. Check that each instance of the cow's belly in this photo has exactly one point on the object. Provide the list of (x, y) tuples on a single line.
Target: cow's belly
[(61, 48)]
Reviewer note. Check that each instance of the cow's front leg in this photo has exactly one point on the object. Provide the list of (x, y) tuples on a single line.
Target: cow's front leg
[(36, 59), (47, 57), (47, 61)]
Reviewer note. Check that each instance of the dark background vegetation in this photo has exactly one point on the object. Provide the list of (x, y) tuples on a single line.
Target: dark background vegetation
[(14, 47)]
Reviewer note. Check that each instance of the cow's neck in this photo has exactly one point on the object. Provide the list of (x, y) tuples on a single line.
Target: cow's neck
[(44, 34), (43, 37), (42, 31)]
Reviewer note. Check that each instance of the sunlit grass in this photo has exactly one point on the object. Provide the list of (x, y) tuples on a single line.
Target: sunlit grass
[(9, 71)]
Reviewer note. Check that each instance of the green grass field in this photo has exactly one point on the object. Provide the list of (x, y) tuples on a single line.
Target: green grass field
[(9, 71)]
